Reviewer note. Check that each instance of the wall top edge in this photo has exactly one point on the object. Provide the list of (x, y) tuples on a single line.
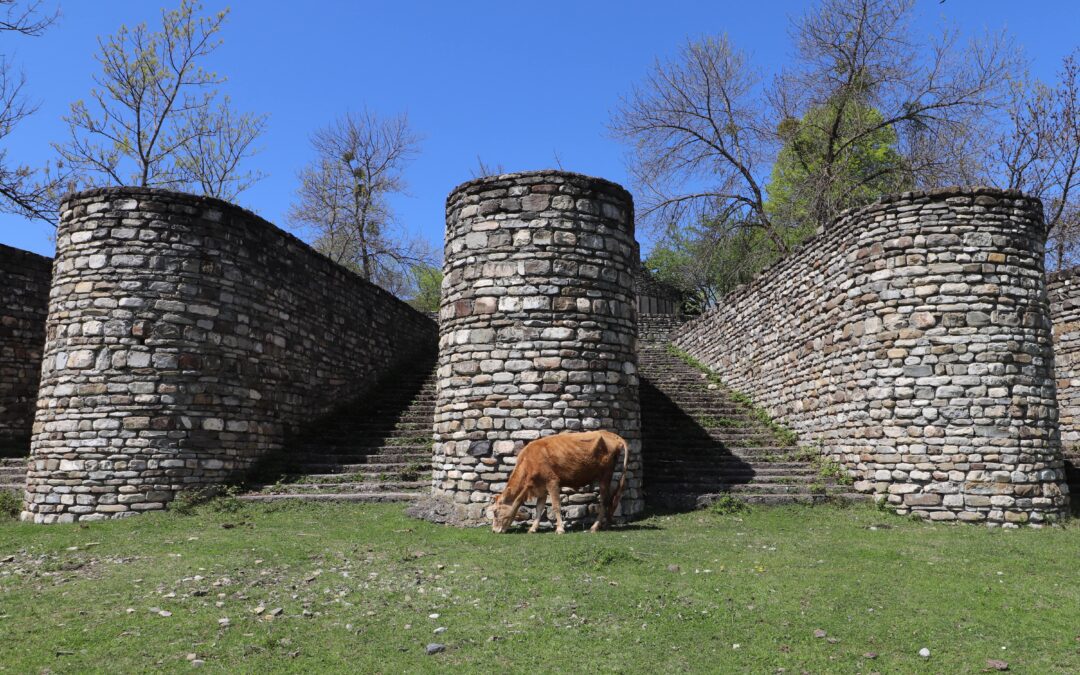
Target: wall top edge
[(849, 217), (119, 191), (509, 178), (203, 201), (1062, 276), (11, 251)]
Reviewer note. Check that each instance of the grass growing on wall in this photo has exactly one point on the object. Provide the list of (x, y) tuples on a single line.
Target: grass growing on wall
[(783, 435), (351, 588)]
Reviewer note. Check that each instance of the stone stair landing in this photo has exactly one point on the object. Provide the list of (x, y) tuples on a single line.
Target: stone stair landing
[(701, 443), (376, 450)]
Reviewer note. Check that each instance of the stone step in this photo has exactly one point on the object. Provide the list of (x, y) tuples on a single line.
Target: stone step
[(696, 451), (731, 487), (352, 457), (366, 468), (742, 474), (373, 485), (682, 501), (356, 446), (366, 497)]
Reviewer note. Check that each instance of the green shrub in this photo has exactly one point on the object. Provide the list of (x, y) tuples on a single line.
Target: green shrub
[(10, 505), (728, 505)]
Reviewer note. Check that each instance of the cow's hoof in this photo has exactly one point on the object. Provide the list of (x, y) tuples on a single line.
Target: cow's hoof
[(560, 531)]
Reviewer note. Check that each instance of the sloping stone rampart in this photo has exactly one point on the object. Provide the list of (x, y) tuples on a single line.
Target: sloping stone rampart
[(537, 332), (1064, 292), (24, 301), (910, 341), (186, 338)]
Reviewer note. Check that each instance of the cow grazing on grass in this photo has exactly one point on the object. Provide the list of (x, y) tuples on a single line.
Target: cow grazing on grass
[(572, 460)]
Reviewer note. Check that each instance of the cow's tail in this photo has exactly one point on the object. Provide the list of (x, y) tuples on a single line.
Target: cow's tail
[(622, 479)]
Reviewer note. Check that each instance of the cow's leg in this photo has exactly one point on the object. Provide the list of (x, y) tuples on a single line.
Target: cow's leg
[(602, 514), (553, 492), (541, 499), (516, 506)]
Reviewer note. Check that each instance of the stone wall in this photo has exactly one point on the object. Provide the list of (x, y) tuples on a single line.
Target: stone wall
[(24, 300), (1064, 292), (537, 331), (910, 341), (186, 338)]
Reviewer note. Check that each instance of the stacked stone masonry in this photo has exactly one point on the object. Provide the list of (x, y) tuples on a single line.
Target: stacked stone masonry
[(186, 338), (911, 342), (24, 301), (537, 331), (1064, 292)]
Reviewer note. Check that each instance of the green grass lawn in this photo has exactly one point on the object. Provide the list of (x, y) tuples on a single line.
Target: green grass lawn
[(359, 588)]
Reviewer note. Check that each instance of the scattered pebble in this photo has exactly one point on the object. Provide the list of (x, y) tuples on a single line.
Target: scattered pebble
[(673, 568), (224, 622), (433, 616), (164, 612), (924, 652), (435, 648), (277, 611), (870, 655), (832, 640), (997, 664), (198, 663), (440, 630), (819, 633)]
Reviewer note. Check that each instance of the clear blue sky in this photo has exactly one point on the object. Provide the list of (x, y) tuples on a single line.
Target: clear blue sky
[(512, 82)]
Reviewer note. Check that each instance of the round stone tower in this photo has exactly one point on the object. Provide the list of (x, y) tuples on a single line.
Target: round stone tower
[(538, 332)]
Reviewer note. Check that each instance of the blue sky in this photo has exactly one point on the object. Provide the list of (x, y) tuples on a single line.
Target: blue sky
[(512, 82)]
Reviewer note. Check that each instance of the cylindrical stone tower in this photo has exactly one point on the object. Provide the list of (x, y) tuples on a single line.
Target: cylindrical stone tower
[(538, 331)]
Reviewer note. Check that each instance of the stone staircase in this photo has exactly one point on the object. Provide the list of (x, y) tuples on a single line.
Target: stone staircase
[(376, 450), (701, 443), (13, 475), (1072, 477)]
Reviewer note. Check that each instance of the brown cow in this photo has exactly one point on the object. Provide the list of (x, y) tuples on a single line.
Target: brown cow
[(547, 464)]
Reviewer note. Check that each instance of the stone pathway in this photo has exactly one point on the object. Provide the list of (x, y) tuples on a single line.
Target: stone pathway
[(378, 450), (701, 443)]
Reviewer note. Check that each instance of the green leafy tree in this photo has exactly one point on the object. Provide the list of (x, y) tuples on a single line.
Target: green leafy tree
[(808, 187), (428, 288)]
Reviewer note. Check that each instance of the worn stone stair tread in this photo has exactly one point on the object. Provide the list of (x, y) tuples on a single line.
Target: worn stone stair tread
[(700, 443), (363, 486), (335, 497)]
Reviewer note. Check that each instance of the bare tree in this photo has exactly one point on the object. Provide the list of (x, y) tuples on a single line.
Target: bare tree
[(343, 199), (700, 142), (483, 169), (210, 160), (24, 190), (153, 111), (1037, 150)]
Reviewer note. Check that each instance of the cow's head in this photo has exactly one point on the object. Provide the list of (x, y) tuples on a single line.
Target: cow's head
[(500, 515)]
